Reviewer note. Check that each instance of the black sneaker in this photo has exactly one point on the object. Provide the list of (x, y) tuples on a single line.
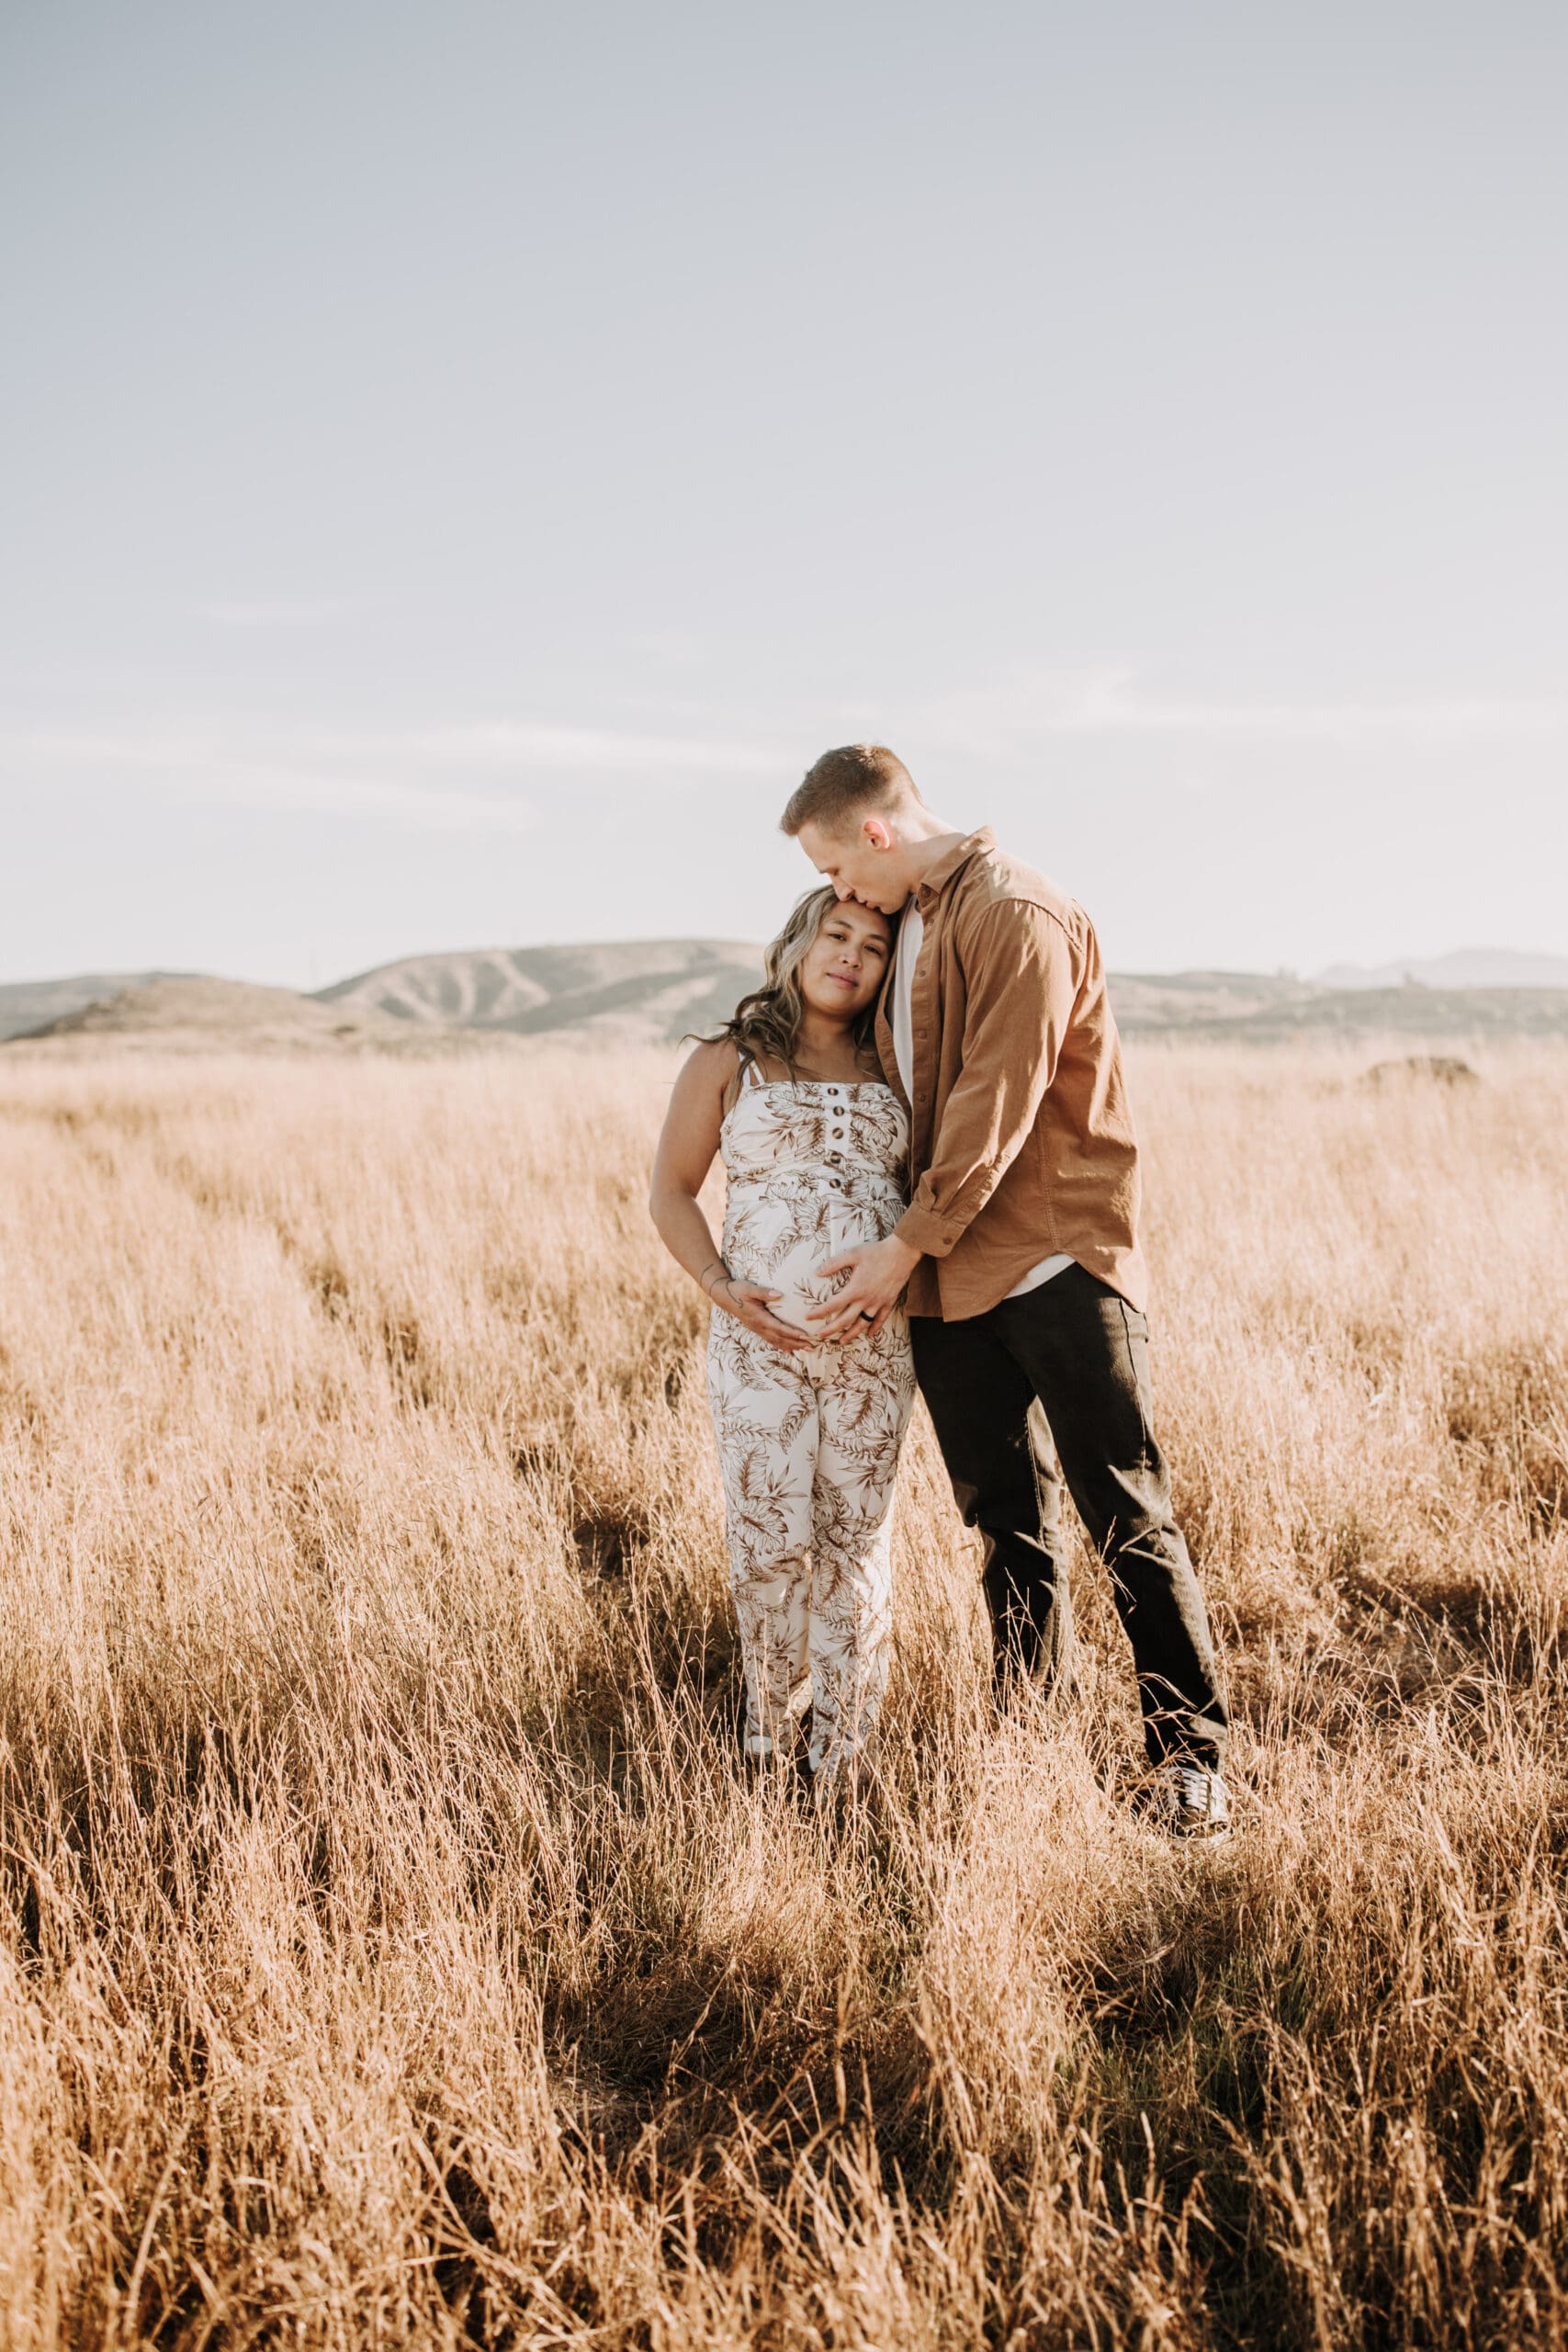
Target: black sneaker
[(1186, 1801)]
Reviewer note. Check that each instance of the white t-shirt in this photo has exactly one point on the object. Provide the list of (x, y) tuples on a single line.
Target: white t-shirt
[(911, 932)]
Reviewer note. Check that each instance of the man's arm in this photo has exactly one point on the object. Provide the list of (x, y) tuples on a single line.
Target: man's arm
[(1022, 976)]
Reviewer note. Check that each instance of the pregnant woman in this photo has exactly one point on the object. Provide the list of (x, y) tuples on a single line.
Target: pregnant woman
[(814, 1146)]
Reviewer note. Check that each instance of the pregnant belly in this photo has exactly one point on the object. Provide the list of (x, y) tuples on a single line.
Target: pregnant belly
[(774, 1251)]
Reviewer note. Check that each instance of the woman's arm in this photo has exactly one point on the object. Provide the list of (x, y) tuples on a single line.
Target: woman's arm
[(686, 1151)]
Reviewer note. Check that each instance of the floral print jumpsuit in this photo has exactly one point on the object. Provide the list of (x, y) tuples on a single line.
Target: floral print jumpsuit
[(808, 1442)]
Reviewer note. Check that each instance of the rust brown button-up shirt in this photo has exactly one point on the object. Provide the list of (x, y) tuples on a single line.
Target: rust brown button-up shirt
[(1021, 1139)]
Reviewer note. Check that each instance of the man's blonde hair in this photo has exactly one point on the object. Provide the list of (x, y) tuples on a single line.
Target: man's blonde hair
[(840, 783)]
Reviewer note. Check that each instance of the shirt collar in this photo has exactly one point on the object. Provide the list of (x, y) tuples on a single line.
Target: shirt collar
[(937, 879)]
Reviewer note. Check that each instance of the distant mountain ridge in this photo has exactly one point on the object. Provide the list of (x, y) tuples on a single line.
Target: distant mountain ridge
[(617, 991), (188, 1013), (33, 1004), (1464, 968), (645, 991), (653, 992)]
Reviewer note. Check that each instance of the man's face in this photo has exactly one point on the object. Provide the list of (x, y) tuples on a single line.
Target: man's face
[(862, 863)]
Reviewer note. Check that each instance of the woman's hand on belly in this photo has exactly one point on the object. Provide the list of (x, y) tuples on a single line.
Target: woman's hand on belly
[(750, 1304)]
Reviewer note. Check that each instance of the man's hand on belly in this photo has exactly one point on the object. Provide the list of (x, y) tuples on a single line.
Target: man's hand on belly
[(877, 1273)]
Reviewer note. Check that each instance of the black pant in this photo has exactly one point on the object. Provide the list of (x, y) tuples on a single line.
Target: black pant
[(1050, 1387)]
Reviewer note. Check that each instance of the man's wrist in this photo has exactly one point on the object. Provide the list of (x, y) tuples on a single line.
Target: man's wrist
[(924, 1233)]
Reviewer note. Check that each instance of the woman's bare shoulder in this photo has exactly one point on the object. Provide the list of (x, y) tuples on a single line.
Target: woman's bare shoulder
[(708, 1074), (715, 1060)]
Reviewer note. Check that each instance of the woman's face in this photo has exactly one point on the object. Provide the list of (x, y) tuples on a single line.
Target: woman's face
[(845, 963)]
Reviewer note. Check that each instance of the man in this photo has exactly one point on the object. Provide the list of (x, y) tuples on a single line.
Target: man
[(1019, 1249)]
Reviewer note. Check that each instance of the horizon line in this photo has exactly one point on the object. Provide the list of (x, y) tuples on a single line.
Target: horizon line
[(1324, 976)]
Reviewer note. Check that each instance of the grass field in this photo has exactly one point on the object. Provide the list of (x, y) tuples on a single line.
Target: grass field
[(392, 1952)]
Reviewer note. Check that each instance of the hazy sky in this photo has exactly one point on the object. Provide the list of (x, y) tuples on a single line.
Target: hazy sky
[(463, 458)]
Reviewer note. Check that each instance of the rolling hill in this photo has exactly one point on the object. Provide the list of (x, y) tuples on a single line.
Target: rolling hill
[(188, 1014), (653, 992), (29, 1005), (621, 993), (1465, 968), (647, 992)]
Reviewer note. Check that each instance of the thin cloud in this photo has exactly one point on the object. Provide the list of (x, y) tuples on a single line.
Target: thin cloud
[(388, 773), (298, 612), (579, 750), (423, 808), (203, 767), (1106, 703)]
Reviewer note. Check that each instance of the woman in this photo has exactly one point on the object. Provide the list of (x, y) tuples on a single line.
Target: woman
[(814, 1146)]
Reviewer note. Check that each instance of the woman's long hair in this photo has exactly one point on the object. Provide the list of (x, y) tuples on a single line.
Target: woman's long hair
[(765, 1026)]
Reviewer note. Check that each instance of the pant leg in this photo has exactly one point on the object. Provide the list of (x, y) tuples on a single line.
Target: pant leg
[(765, 1419), (999, 1457), (1085, 1352), (864, 1401)]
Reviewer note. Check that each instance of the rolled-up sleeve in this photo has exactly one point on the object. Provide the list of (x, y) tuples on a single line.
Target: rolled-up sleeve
[(1022, 974)]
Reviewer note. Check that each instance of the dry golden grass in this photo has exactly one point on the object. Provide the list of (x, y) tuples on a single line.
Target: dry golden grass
[(392, 1949)]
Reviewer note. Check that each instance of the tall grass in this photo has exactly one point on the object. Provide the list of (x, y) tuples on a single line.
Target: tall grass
[(392, 1950)]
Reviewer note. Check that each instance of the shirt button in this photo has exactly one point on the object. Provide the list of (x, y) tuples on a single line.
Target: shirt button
[(838, 1131)]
